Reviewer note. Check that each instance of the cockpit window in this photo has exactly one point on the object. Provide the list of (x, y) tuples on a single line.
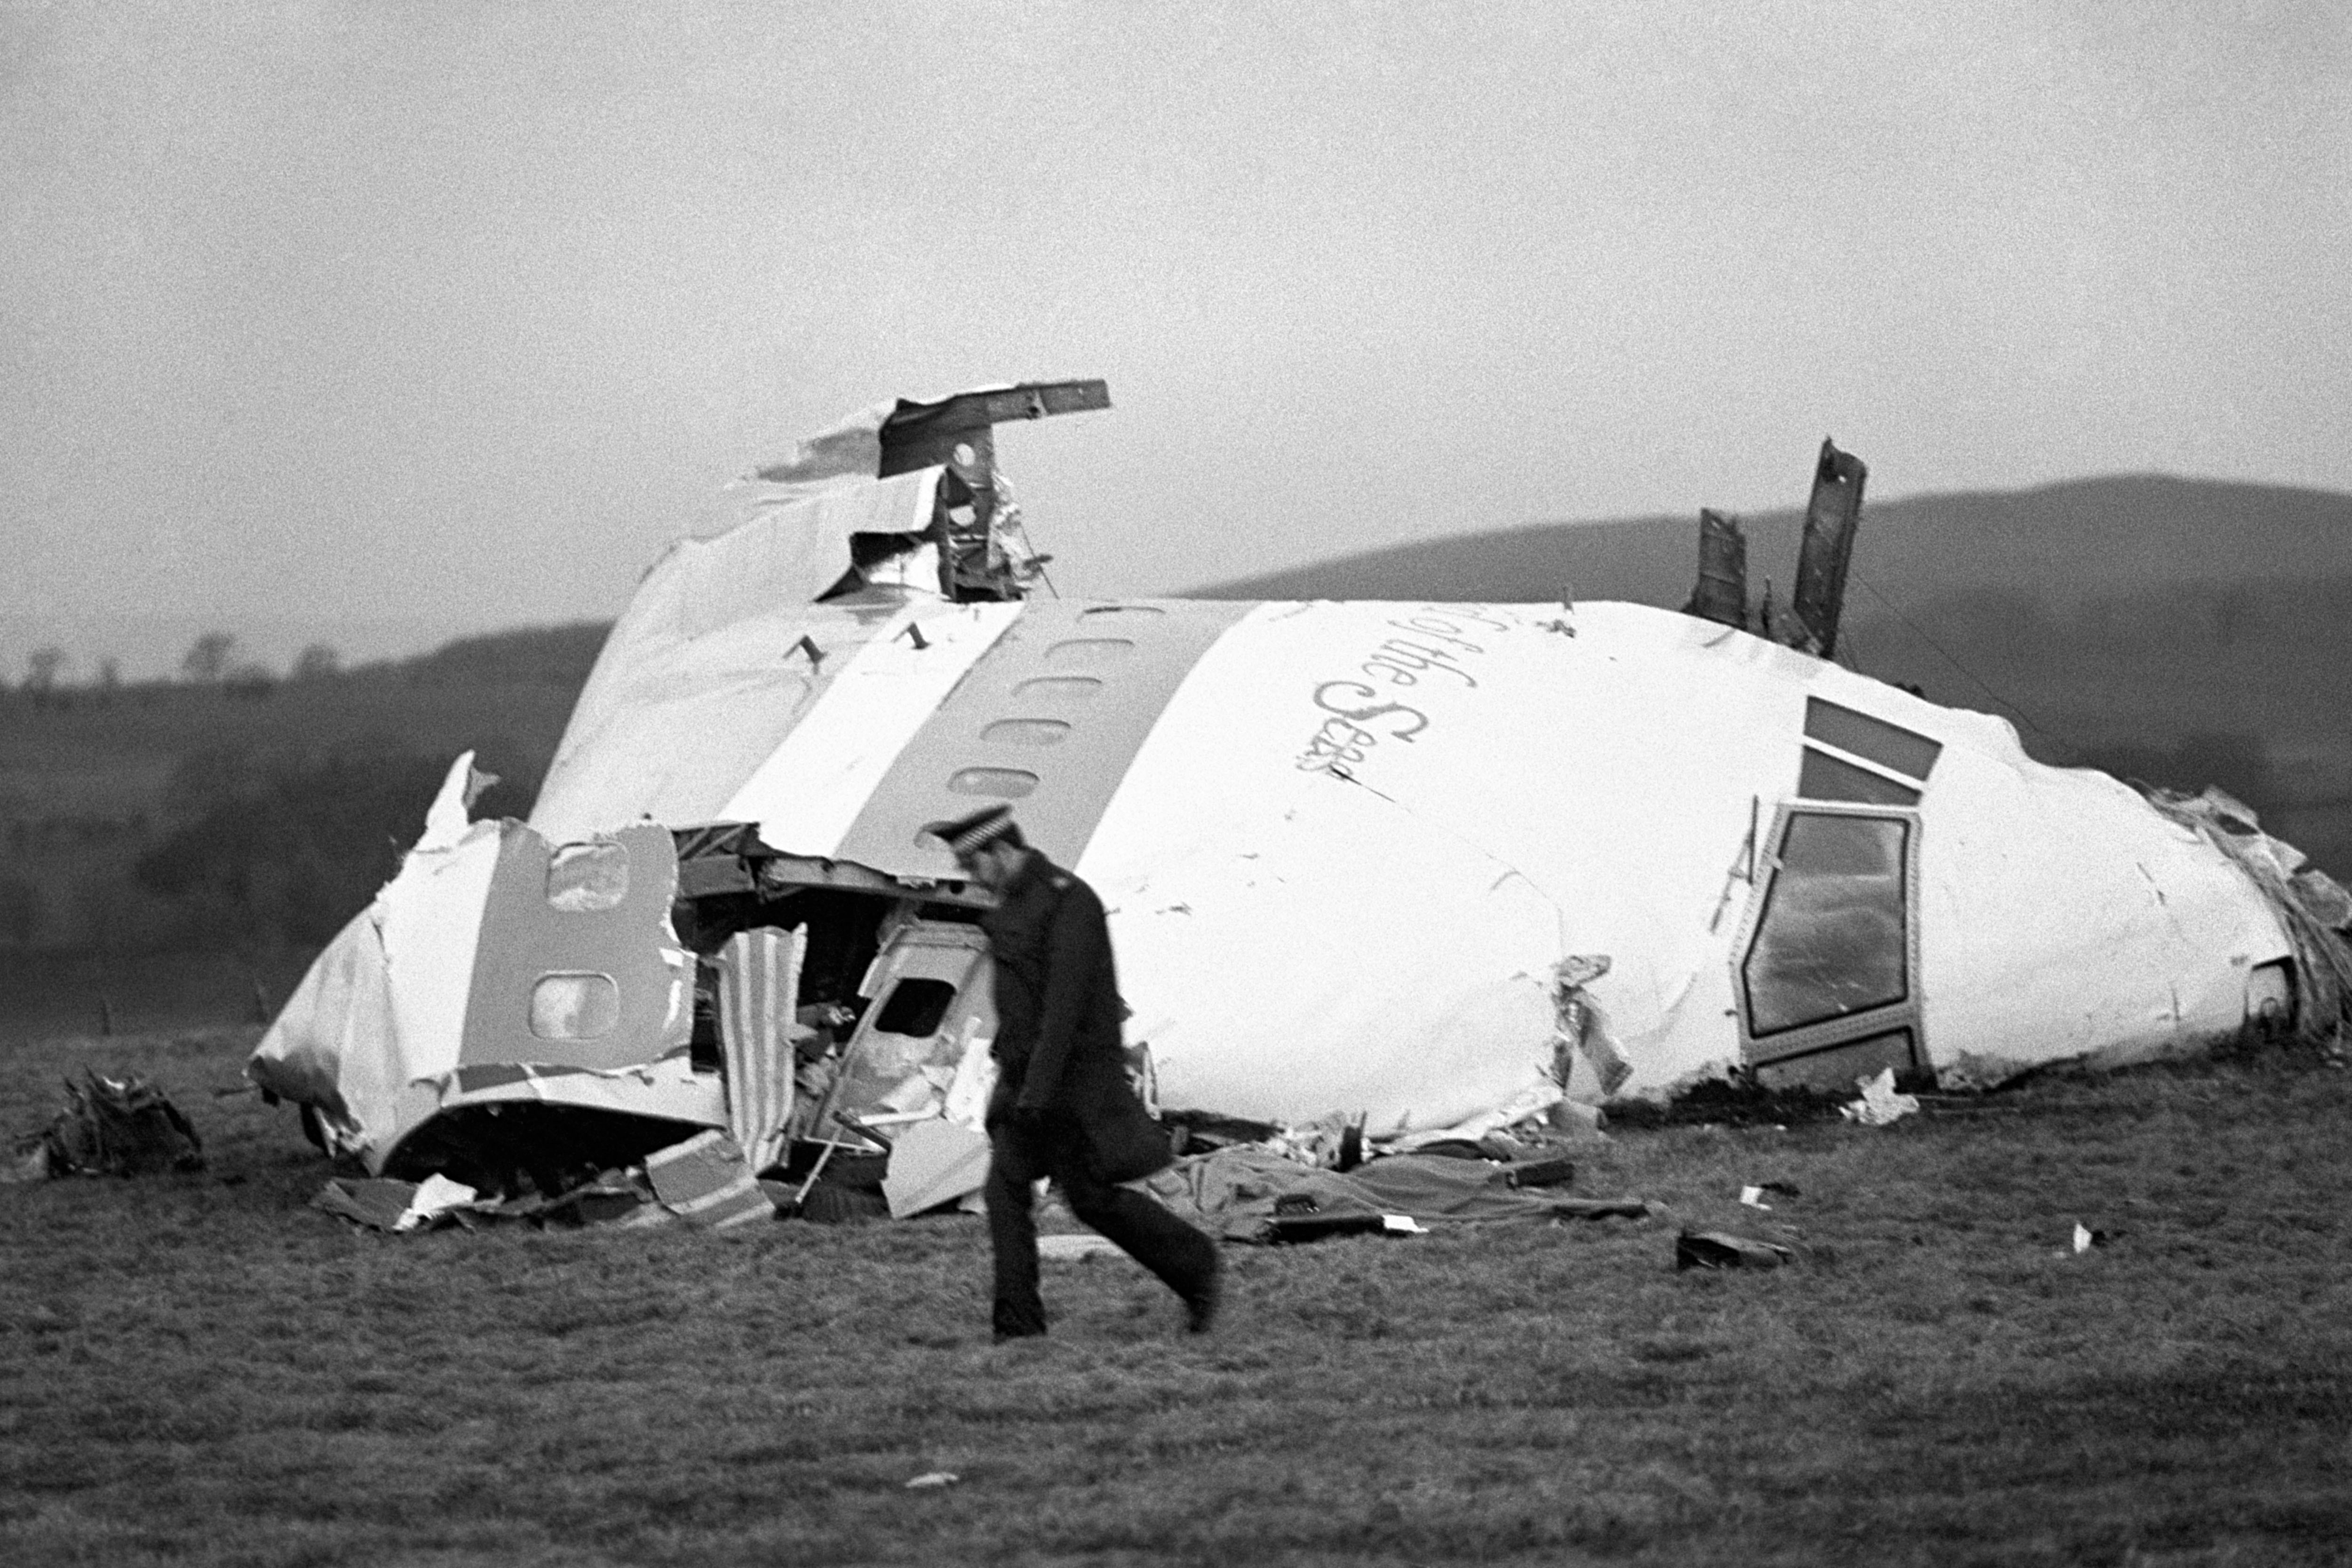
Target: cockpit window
[(1891, 746), (1831, 940), (1851, 755), (1829, 961), (1824, 777)]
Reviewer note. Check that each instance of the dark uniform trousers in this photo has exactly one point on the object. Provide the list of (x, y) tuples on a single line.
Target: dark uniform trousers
[(1051, 1144)]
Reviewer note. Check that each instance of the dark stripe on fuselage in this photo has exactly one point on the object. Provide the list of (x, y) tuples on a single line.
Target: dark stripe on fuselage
[(1047, 720)]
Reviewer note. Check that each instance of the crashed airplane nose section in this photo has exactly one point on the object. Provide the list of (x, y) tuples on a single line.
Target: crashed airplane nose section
[(1407, 861), (1360, 841)]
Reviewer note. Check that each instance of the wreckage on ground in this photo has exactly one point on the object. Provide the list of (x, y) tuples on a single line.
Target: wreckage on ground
[(1420, 865)]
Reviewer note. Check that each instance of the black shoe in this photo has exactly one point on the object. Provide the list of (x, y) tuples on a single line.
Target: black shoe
[(1201, 1310)]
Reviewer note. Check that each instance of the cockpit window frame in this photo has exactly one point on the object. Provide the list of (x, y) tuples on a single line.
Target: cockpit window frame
[(1786, 1045)]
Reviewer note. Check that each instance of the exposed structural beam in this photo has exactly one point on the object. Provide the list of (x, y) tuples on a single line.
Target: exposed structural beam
[(1722, 591), (729, 857), (1832, 515)]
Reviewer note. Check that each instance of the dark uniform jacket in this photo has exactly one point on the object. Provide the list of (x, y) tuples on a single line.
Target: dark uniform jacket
[(1058, 1015)]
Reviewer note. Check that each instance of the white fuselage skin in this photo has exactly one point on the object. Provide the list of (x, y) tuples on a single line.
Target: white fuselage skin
[(1343, 847)]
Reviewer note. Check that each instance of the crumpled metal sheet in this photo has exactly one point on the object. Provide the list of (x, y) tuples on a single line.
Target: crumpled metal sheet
[(2308, 903)]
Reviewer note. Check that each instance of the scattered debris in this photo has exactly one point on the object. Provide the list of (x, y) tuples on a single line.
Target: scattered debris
[(1074, 1244), (1526, 1109), (2086, 1238), (934, 1478), (1720, 1250), (1250, 1192), (622, 1199), (110, 1127), (1879, 1103), (1733, 1102), (1578, 1028), (1555, 1171), (933, 1163), (703, 1182), (1753, 1196), (706, 1183), (434, 1196), (378, 1204)]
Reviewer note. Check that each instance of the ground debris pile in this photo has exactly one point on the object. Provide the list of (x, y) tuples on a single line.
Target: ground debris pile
[(704, 1183), (110, 1127), (1259, 1193), (1731, 1102)]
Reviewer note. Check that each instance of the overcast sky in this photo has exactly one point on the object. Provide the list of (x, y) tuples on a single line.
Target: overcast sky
[(447, 316)]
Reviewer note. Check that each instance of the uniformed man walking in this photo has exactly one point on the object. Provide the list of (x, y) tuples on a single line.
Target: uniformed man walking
[(1063, 1105)]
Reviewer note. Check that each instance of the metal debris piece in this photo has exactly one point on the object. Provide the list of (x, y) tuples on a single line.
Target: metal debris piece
[(931, 1163), (1833, 512), (434, 1196), (1720, 1250), (1879, 1103), (1722, 591)]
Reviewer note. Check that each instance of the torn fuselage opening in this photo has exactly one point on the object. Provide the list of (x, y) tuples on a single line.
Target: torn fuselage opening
[(524, 1148), (889, 997)]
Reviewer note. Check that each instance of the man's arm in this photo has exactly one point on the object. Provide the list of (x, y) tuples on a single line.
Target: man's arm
[(1076, 942)]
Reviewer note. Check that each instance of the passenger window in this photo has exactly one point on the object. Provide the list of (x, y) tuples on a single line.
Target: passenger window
[(1003, 783), (573, 1006), (1833, 939)]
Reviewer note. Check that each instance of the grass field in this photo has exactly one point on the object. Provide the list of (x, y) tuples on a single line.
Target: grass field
[(200, 1370)]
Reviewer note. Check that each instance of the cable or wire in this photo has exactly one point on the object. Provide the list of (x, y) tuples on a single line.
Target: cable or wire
[(1022, 523), (1921, 633)]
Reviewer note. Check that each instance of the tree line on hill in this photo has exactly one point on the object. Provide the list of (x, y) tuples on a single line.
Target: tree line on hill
[(152, 819), (282, 854), (561, 655)]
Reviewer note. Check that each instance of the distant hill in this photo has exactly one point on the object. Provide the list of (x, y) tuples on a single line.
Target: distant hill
[(2037, 551), (2058, 544), (256, 815)]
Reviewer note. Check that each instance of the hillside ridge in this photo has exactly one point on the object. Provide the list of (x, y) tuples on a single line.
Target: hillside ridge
[(2070, 539)]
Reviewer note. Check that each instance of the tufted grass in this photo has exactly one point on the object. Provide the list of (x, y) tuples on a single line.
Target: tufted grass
[(200, 1370)]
